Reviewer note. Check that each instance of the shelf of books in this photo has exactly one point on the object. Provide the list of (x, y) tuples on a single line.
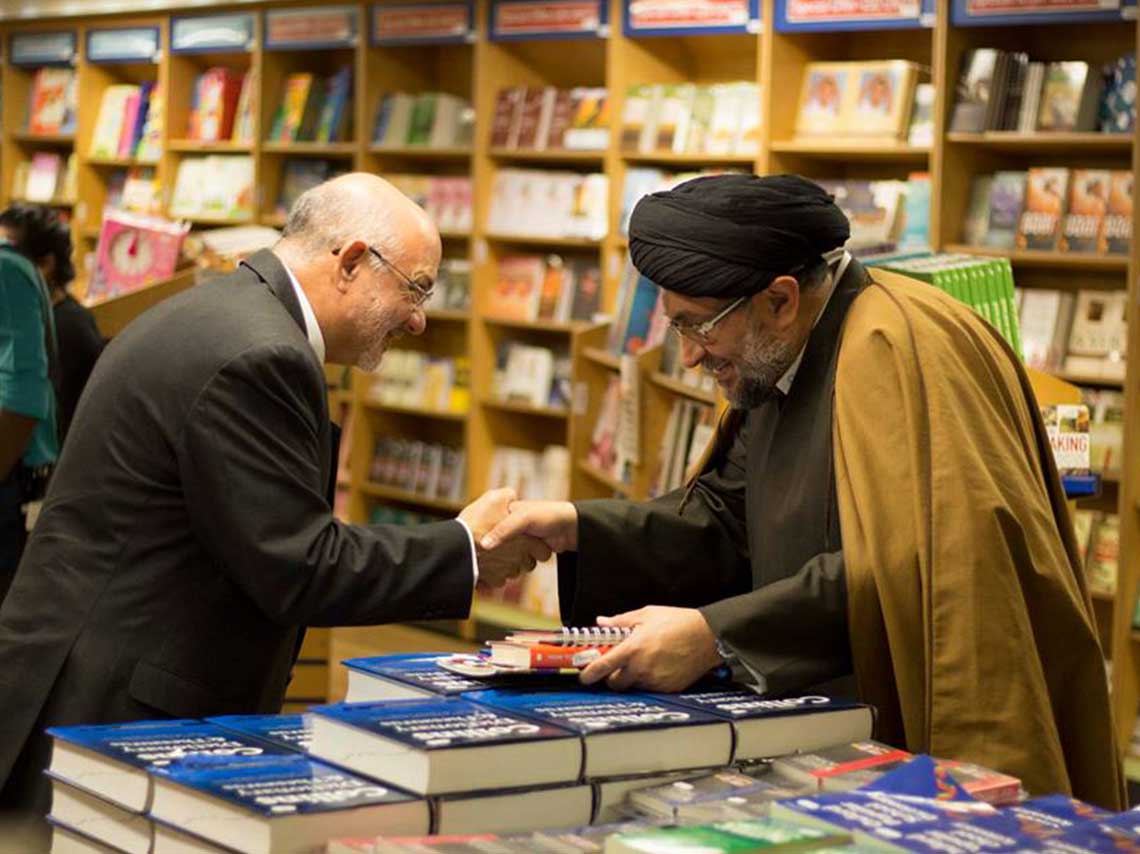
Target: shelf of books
[(545, 364)]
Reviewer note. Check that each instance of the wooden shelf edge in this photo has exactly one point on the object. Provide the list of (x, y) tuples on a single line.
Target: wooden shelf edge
[(1101, 596), (195, 146), (687, 159), (423, 152), (602, 357), (525, 408), (851, 147), (393, 493), (550, 155), (448, 314), (677, 387), (538, 325), (418, 412), (601, 477), (546, 240), (1042, 139), (1076, 260)]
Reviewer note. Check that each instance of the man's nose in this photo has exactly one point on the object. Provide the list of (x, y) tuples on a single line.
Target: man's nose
[(691, 352)]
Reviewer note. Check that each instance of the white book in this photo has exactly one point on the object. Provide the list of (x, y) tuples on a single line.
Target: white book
[(122, 829), (446, 122), (724, 127)]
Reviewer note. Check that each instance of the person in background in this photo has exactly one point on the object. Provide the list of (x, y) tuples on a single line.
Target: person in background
[(77, 336), (28, 443)]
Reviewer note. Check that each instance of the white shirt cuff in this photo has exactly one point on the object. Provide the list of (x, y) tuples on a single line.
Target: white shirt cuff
[(474, 559)]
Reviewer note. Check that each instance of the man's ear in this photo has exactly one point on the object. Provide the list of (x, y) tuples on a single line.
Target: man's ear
[(783, 295), (349, 260)]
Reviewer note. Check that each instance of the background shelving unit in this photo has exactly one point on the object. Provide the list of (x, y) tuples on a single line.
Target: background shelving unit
[(475, 63)]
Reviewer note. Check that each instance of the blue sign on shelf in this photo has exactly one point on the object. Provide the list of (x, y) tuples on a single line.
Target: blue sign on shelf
[(124, 44), (836, 15), (55, 48), (689, 17), (984, 13), (519, 20), (311, 28), (1081, 485), (423, 23), (208, 33)]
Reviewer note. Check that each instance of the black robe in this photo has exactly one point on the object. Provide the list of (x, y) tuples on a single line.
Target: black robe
[(757, 546)]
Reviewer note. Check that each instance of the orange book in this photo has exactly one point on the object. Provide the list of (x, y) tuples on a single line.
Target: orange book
[(544, 656), (516, 293)]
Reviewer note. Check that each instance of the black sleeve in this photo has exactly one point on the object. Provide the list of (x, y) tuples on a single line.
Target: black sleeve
[(251, 459), (630, 555), (793, 631)]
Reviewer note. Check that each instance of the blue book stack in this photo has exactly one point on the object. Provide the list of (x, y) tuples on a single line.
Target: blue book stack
[(624, 733), (280, 804), (111, 760), (444, 745), (287, 731), (514, 810), (403, 677), (769, 727)]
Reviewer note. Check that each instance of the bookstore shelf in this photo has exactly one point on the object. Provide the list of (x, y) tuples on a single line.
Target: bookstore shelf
[(669, 158), (1100, 596), (602, 357), (853, 149), (311, 149), (1085, 380), (218, 220), (51, 203), (391, 493), (1059, 260), (44, 138), (416, 411), (623, 489), (677, 387), (447, 234), (1044, 143), (213, 147), (424, 152), (541, 240), (550, 155), (525, 408), (121, 162), (536, 325)]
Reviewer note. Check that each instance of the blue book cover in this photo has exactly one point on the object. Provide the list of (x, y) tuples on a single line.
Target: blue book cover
[(1129, 820), (920, 777), (864, 812), (284, 730), (594, 711), (418, 670), (1059, 812), (283, 785), (159, 743), (950, 836), (1101, 837), (439, 724), (640, 316), (732, 703)]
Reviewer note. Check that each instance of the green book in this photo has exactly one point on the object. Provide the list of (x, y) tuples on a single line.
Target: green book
[(423, 117), (767, 835)]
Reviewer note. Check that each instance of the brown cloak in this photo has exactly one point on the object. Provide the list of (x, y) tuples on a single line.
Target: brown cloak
[(971, 624)]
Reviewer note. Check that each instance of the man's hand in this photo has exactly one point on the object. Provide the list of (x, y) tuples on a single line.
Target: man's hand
[(669, 650), (499, 565), (553, 522)]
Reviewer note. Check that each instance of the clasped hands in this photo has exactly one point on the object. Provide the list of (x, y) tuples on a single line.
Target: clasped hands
[(670, 648)]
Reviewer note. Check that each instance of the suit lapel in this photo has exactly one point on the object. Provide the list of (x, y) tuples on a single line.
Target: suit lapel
[(272, 273)]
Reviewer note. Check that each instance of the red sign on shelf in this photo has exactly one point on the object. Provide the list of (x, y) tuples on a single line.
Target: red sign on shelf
[(539, 17), (1026, 7), (814, 11), (289, 27), (415, 23), (669, 14)]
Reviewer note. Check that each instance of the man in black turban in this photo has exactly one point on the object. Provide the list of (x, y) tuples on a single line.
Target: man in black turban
[(880, 516)]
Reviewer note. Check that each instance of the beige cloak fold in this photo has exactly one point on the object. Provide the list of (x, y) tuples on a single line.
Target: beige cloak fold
[(971, 625)]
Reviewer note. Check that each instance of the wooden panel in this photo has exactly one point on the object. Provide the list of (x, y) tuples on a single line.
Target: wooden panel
[(309, 681), (316, 645), (113, 315)]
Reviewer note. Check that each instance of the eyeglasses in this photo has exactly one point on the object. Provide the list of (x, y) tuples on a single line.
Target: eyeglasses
[(701, 332), (418, 293)]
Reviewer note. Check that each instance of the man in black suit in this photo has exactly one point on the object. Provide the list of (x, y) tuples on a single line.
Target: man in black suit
[(187, 538)]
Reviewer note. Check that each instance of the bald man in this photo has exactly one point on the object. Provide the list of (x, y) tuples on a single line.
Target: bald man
[(881, 517), (187, 538)]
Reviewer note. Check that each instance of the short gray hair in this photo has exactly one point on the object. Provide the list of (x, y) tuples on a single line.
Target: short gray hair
[(325, 216)]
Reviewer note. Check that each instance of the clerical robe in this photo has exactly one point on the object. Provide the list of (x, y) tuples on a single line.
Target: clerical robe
[(896, 515)]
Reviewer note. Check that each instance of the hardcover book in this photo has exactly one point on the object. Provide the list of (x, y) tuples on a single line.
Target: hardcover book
[(841, 768), (98, 819), (404, 677), (1040, 224), (761, 835), (444, 745), (513, 810), (284, 805), (1007, 198), (974, 90), (288, 731), (1088, 203), (111, 760), (823, 99), (775, 727), (623, 733), (1116, 237), (726, 793)]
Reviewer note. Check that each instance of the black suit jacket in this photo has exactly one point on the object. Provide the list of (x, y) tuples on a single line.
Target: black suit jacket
[(187, 539)]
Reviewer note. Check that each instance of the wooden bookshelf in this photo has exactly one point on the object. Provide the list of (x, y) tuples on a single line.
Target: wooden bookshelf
[(525, 408), (198, 146), (548, 156), (415, 411), (401, 496), (53, 139), (541, 240), (853, 149), (423, 152), (685, 160), (608, 481), (1047, 260), (311, 149), (684, 389), (1044, 143)]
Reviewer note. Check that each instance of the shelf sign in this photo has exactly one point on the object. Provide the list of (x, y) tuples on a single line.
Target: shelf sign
[(314, 27), (56, 48), (529, 19), (422, 23), (849, 14), (690, 17), (211, 33), (126, 44), (984, 12)]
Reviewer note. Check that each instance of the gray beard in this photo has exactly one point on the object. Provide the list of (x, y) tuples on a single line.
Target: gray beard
[(761, 366)]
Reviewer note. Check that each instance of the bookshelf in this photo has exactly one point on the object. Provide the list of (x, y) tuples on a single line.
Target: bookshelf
[(469, 61)]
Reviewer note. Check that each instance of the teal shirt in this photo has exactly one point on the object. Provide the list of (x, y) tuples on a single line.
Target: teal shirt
[(25, 384)]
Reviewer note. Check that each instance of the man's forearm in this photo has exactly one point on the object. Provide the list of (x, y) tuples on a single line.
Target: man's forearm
[(15, 433)]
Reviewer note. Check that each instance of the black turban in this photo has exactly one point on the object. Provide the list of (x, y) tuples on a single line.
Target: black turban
[(730, 235)]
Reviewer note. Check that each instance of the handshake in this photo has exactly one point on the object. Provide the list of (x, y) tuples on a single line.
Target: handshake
[(512, 536)]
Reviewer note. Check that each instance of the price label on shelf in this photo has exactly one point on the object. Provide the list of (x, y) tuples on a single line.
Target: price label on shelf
[(988, 12), (849, 11), (56, 48), (126, 44), (1037, 7), (422, 23), (646, 17), (324, 26), (211, 32), (515, 19)]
